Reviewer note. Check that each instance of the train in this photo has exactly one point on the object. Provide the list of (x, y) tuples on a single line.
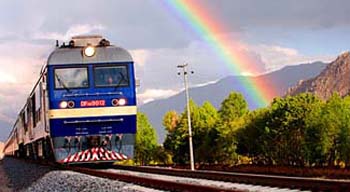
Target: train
[(82, 108)]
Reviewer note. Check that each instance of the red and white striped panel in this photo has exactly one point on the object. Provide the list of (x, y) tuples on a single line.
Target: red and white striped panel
[(94, 154)]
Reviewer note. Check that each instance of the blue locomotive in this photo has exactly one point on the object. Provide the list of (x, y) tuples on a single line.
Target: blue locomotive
[(83, 107)]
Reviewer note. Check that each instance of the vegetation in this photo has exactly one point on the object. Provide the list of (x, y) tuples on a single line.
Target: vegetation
[(297, 130), (147, 150), (214, 131)]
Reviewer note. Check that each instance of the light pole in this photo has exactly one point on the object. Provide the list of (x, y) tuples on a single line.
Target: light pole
[(184, 69)]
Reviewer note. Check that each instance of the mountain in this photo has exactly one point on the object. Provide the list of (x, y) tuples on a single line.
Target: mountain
[(217, 92), (334, 78)]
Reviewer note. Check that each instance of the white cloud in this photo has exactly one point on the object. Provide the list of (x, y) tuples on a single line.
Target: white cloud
[(276, 57), (23, 64), (19, 69), (247, 73), (6, 78), (154, 94), (285, 51), (74, 30), (158, 69), (140, 56), (12, 98), (206, 83)]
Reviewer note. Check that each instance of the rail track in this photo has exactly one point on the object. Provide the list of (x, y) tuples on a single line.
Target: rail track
[(151, 182), (143, 181), (313, 184)]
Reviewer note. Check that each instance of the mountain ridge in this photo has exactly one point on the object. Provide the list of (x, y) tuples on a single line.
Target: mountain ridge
[(282, 79), (334, 78)]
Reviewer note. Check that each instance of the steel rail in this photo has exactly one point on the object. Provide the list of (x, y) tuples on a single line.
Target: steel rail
[(304, 183), (150, 182)]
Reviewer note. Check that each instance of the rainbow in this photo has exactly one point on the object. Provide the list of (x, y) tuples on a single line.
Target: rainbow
[(199, 20)]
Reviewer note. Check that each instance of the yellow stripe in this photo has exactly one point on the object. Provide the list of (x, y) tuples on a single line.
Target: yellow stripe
[(92, 112)]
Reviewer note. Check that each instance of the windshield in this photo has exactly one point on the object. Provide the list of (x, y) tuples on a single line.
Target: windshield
[(66, 78), (111, 76)]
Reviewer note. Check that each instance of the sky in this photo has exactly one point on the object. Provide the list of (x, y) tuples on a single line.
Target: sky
[(272, 33)]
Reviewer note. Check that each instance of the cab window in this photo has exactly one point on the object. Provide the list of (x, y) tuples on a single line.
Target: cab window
[(111, 76), (71, 78)]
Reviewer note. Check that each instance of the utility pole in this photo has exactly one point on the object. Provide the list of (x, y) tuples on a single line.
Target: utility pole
[(184, 69)]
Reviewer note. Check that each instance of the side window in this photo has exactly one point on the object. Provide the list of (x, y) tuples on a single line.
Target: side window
[(23, 116), (29, 114), (38, 103), (17, 131), (32, 101), (26, 119)]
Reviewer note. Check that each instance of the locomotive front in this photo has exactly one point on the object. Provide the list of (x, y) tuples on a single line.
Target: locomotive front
[(92, 101)]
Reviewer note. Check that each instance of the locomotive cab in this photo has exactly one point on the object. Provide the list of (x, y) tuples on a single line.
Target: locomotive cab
[(92, 101)]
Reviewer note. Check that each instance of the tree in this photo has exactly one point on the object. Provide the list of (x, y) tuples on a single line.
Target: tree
[(203, 120), (178, 141), (327, 133), (170, 121), (205, 135), (251, 140), (234, 106), (286, 125), (162, 156), (344, 135), (231, 113), (277, 135), (317, 143), (173, 141), (330, 133), (146, 140)]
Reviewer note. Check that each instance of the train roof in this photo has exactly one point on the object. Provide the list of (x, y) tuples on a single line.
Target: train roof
[(73, 52)]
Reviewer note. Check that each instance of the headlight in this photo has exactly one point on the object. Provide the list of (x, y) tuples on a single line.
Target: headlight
[(63, 104), (71, 104), (115, 102), (119, 102), (122, 102), (89, 51)]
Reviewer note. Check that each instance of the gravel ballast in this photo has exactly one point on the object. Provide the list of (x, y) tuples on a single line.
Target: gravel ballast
[(18, 175), (70, 181)]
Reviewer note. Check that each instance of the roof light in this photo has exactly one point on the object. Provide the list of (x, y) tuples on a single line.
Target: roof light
[(89, 51)]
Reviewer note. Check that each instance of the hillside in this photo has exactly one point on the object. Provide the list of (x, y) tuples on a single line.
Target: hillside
[(334, 78), (217, 92)]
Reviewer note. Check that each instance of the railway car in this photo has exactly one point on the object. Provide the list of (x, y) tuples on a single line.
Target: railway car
[(82, 108)]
